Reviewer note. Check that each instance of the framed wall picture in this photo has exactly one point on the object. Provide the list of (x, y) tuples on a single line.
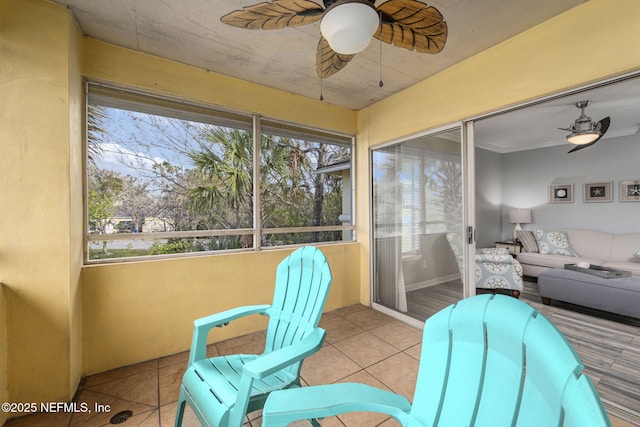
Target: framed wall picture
[(561, 193), (630, 191), (597, 192)]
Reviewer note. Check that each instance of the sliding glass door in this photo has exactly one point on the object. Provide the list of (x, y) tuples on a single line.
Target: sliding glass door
[(418, 223)]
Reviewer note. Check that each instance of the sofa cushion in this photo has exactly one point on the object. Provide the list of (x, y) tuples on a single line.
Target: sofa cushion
[(553, 242), (590, 243), (624, 246), (552, 261)]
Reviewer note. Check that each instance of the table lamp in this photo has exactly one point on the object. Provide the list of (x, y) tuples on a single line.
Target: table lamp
[(517, 217)]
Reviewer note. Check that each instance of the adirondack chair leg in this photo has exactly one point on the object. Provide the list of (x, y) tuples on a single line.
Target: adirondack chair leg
[(180, 410)]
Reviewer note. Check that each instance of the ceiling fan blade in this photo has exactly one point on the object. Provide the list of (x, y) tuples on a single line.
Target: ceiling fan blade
[(412, 25), (275, 15), (604, 126), (329, 62)]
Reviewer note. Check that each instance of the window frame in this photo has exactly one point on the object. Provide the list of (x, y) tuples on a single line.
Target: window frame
[(197, 112)]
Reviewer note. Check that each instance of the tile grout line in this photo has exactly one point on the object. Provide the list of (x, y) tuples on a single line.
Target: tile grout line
[(158, 390)]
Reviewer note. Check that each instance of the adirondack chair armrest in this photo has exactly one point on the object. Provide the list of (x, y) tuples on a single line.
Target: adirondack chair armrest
[(224, 317), (277, 360), (203, 325), (285, 406)]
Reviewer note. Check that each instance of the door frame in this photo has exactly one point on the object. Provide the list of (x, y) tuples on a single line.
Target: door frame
[(468, 208), (468, 205)]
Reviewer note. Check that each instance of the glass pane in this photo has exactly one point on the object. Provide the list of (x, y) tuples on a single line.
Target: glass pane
[(280, 239), (156, 170), (417, 221), (135, 246), (305, 182)]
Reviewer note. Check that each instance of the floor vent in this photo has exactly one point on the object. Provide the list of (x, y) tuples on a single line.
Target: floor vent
[(121, 417)]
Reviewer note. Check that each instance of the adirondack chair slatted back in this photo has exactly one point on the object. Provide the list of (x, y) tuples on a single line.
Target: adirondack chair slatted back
[(302, 281), (547, 375), (492, 360), (487, 361), (581, 404)]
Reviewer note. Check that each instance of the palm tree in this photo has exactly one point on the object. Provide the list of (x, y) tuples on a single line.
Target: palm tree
[(223, 170), (291, 193), (95, 116)]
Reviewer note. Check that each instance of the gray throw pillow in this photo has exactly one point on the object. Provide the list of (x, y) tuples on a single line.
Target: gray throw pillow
[(528, 240), (553, 242)]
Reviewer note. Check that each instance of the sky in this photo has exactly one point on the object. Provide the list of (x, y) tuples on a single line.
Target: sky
[(132, 144)]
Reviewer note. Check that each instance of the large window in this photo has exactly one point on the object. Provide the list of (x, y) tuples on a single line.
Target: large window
[(166, 177)]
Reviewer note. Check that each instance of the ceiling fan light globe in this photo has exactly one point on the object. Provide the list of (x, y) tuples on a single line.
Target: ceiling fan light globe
[(583, 138), (348, 27)]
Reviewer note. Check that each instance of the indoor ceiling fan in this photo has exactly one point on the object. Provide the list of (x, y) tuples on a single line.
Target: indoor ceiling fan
[(347, 26), (584, 131)]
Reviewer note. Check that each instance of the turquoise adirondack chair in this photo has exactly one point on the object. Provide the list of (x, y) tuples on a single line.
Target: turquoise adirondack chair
[(489, 360), (221, 390)]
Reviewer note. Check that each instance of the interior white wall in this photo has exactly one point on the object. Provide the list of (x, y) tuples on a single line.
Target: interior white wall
[(526, 176), (488, 187)]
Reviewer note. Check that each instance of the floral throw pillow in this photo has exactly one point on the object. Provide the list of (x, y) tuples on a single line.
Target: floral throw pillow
[(553, 242)]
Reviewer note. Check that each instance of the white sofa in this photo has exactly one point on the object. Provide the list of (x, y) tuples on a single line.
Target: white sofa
[(594, 247)]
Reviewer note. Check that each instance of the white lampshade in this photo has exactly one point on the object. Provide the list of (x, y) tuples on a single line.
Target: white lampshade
[(349, 26), (520, 216), (582, 137)]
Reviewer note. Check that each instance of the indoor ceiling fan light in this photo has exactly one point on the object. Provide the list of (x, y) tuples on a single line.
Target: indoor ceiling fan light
[(583, 137), (584, 131), (349, 26)]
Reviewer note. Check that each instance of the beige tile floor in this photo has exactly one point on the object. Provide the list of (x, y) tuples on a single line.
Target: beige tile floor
[(362, 345)]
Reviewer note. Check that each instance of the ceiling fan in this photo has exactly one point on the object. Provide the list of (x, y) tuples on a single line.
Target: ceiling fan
[(584, 131), (347, 26)]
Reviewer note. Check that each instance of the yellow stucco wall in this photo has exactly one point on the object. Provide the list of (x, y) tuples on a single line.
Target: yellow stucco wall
[(4, 386), (76, 154), (141, 311), (591, 42), (40, 51), (106, 62)]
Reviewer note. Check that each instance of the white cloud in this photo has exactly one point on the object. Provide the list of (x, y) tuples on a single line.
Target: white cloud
[(115, 154)]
